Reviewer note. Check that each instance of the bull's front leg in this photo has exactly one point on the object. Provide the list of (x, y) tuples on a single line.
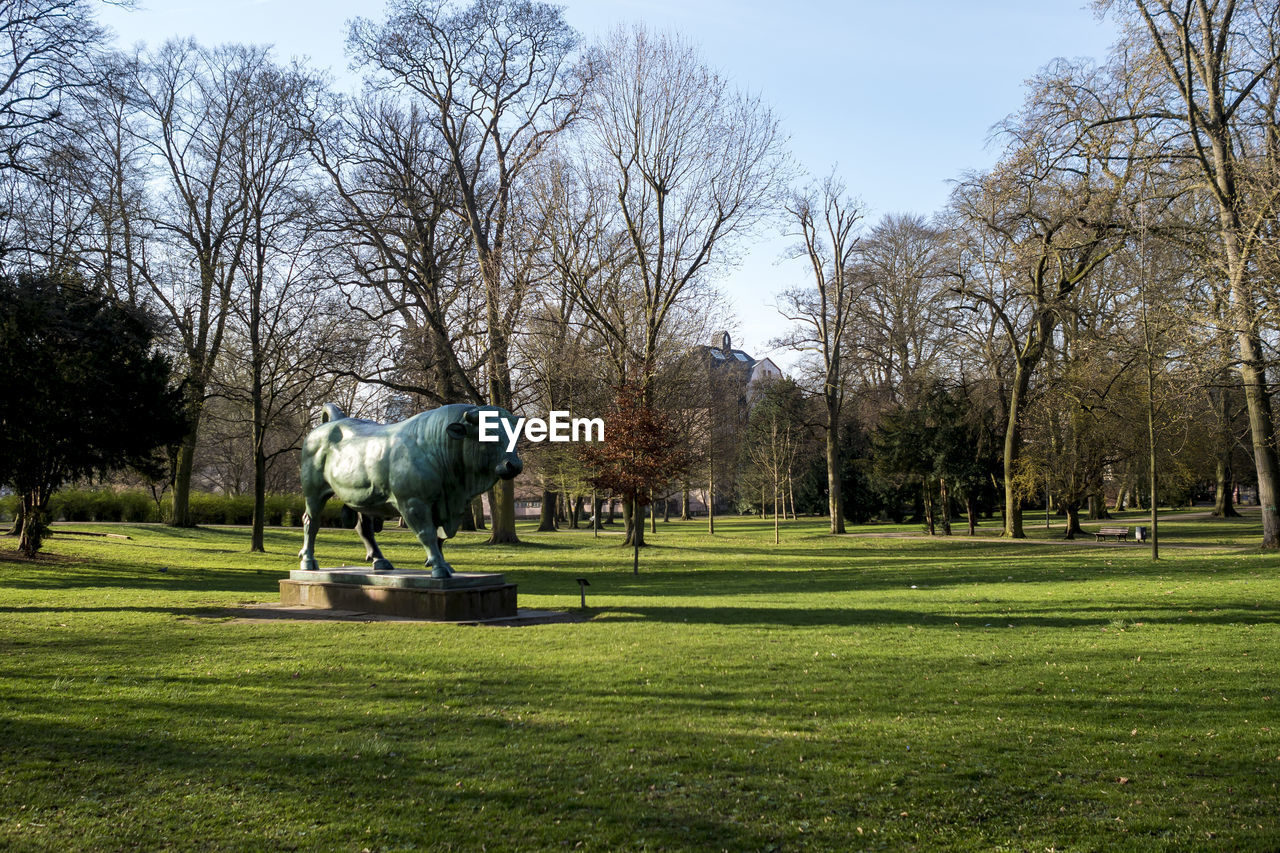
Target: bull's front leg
[(422, 521)]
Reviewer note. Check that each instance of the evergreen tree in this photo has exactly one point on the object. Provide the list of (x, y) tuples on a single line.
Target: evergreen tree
[(82, 392)]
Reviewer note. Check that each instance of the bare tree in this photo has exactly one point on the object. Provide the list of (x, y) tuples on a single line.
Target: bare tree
[(774, 435), (1216, 64), (827, 219), (692, 166), (283, 314), (1037, 225), (392, 234), (45, 46), (194, 103), (498, 78), (902, 335), (116, 162)]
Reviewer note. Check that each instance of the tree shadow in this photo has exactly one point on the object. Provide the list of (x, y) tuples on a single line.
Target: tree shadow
[(203, 612), (371, 773), (1065, 618)]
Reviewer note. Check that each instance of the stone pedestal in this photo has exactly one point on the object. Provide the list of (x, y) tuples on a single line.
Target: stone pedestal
[(465, 597)]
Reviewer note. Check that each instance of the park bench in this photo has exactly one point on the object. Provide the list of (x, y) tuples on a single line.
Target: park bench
[(1120, 533)]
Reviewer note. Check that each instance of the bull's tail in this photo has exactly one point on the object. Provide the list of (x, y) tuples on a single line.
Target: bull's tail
[(330, 412)]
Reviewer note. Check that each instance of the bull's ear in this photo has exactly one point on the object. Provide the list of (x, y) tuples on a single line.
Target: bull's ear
[(457, 429), (472, 416)]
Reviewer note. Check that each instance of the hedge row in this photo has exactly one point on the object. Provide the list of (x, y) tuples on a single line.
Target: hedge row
[(139, 507)]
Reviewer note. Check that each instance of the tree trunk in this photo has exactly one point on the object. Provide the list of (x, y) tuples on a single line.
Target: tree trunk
[(182, 482), (946, 507), (777, 538), (1253, 367), (35, 522), (971, 510), (1262, 428), (684, 503), (1012, 452), (1073, 519), (835, 502), (711, 504), (928, 509), (16, 529), (468, 520), (1223, 505), (633, 521), (257, 540), (504, 514), (575, 517), (477, 508), (1122, 495), (547, 515)]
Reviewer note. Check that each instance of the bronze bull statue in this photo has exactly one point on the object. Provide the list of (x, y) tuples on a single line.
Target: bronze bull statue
[(426, 469)]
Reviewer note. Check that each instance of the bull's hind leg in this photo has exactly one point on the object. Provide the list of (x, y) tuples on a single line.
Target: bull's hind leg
[(365, 527), (422, 521), (310, 526)]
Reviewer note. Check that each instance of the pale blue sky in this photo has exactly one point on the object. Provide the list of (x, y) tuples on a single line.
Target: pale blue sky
[(900, 95)]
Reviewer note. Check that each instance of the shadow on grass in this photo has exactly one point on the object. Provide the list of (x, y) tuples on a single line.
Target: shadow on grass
[(383, 771), (193, 561), (205, 612), (1067, 618), (96, 573), (863, 572)]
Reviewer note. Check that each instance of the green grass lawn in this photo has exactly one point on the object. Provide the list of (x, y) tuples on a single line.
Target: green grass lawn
[(833, 693)]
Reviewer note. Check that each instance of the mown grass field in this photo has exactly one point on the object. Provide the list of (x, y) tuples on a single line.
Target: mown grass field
[(837, 694)]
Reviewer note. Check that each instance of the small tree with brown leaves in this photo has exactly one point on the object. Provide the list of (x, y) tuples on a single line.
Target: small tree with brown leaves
[(642, 451)]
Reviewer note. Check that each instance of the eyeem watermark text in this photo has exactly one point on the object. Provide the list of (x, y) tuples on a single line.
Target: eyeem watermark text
[(557, 427)]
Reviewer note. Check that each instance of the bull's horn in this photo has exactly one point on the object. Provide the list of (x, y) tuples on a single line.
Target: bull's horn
[(472, 416), (330, 412)]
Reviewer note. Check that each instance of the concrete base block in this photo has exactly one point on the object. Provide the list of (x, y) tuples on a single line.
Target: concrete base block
[(473, 598)]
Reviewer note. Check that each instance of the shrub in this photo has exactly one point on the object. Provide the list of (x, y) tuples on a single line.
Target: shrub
[(204, 508), (238, 509), (71, 505), (274, 510), (9, 507), (136, 507), (106, 506)]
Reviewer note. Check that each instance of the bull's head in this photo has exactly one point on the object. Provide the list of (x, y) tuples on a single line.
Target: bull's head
[(508, 463)]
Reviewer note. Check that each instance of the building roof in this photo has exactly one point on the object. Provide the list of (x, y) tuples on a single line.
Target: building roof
[(732, 355)]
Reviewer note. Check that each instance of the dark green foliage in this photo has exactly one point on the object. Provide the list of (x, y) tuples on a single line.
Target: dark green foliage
[(281, 510), (859, 497), (139, 507), (82, 392), (940, 451), (856, 488), (102, 505)]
